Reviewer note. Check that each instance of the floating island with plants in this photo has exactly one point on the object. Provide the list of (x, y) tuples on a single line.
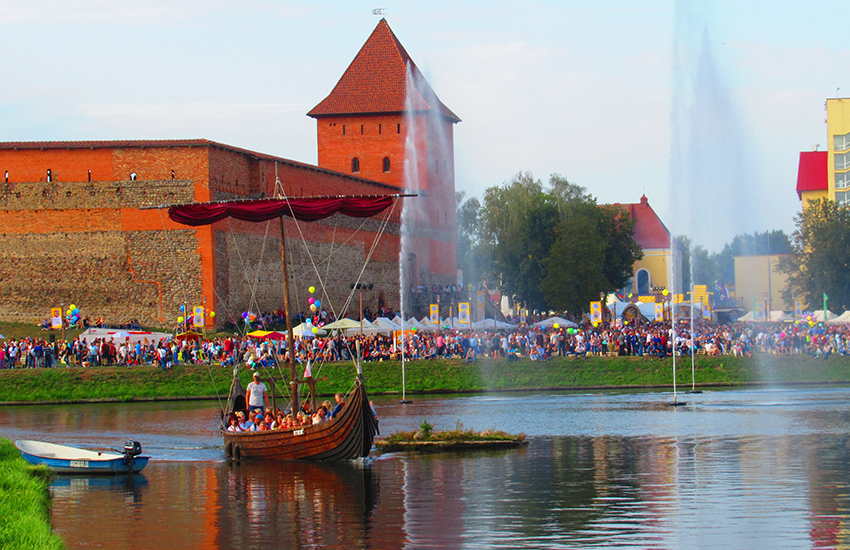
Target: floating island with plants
[(426, 440)]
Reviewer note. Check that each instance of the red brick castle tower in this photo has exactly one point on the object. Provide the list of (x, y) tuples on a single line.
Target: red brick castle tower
[(383, 122)]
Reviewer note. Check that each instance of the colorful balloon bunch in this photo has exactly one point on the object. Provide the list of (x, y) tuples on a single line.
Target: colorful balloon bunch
[(73, 315), (248, 317)]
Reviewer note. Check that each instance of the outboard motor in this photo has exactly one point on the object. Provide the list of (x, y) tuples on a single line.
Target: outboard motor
[(132, 449)]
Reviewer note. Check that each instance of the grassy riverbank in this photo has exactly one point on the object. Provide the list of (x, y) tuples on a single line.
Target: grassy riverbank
[(438, 376), (24, 503)]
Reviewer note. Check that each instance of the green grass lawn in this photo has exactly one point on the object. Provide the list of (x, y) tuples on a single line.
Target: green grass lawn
[(436, 376), (24, 503)]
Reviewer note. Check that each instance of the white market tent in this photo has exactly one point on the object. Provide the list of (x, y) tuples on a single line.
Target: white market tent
[(552, 321), (779, 316), (385, 325), (818, 313), (307, 330), (426, 324), (134, 336), (490, 324), (842, 319)]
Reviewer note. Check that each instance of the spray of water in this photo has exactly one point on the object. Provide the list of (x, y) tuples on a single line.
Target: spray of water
[(426, 141), (713, 191)]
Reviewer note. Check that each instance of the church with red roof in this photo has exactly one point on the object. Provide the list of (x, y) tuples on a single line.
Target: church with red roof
[(661, 263)]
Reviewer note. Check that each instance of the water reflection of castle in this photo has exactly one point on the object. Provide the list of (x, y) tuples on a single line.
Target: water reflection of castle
[(71, 209)]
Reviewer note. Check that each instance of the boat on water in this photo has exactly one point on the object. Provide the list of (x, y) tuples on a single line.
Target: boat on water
[(64, 459), (351, 432)]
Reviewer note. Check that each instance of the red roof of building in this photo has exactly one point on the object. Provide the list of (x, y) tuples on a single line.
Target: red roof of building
[(813, 173), (650, 231), (172, 143), (376, 82)]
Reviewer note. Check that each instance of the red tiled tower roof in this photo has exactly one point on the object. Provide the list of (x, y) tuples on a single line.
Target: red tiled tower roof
[(375, 82), (813, 172), (650, 231)]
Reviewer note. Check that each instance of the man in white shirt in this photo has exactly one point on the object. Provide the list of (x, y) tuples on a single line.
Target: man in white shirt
[(257, 392)]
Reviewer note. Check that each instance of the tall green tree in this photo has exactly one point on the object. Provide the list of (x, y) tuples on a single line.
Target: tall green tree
[(574, 267), (818, 261), (518, 222), (555, 248), (471, 257)]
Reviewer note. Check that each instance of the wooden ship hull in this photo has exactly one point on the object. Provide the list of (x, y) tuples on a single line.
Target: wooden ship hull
[(349, 435)]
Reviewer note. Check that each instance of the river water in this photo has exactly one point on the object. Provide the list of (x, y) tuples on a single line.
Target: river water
[(751, 468)]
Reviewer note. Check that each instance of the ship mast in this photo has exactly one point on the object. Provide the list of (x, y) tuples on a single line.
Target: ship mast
[(290, 340)]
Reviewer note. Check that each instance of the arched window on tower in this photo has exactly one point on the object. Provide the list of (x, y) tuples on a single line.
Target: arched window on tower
[(643, 282), (386, 164), (355, 165)]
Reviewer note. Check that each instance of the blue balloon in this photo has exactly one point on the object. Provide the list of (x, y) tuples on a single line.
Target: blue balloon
[(182, 308), (318, 304)]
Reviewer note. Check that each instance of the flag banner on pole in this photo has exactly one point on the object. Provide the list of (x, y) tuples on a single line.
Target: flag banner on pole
[(56, 317), (435, 314), (659, 312), (798, 309), (596, 312), (463, 313), (198, 316), (759, 314), (706, 312), (479, 303)]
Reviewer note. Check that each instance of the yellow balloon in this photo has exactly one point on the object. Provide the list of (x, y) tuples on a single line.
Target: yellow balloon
[(312, 289), (180, 319), (556, 325), (664, 292), (315, 330), (212, 313), (312, 307)]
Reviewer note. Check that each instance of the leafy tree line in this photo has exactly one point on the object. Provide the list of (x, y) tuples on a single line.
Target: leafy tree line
[(548, 247), (818, 261)]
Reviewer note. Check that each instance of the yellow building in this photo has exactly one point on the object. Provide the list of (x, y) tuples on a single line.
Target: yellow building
[(756, 277), (838, 162), (826, 174), (661, 266)]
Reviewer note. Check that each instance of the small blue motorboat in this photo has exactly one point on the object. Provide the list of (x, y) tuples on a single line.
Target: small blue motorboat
[(70, 460)]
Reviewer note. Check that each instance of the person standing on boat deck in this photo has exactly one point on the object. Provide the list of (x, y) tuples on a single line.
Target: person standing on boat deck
[(258, 398)]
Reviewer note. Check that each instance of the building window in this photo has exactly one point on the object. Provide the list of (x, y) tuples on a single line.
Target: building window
[(386, 164), (643, 282), (842, 180), (379, 128), (89, 175), (842, 162), (842, 198), (841, 143), (398, 128), (361, 129), (343, 129), (49, 176), (355, 165), (132, 176)]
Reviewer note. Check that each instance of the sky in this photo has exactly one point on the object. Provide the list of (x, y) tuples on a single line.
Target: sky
[(702, 106)]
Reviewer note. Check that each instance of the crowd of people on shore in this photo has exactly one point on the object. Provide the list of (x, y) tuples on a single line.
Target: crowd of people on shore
[(617, 339)]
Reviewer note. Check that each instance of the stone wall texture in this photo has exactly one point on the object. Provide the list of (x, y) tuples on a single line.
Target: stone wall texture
[(97, 244)]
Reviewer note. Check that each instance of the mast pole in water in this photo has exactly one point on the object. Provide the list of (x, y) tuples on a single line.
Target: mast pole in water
[(673, 342), (293, 385)]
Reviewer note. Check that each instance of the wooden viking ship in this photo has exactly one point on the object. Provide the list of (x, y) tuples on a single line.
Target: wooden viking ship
[(351, 432)]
